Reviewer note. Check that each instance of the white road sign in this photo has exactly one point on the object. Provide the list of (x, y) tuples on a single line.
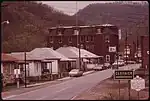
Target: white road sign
[(112, 49), (137, 83)]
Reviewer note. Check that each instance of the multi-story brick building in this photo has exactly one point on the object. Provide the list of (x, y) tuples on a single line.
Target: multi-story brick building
[(145, 51), (98, 39)]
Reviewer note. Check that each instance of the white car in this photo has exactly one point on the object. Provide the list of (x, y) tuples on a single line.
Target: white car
[(107, 66), (75, 73), (98, 67), (120, 63), (131, 62)]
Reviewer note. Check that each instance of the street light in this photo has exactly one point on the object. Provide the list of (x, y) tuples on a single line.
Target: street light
[(7, 22)]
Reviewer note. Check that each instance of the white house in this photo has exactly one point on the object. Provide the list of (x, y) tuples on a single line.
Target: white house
[(54, 58), (73, 53), (33, 64)]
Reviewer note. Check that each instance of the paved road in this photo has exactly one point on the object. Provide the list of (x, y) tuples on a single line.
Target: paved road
[(66, 90), (69, 89)]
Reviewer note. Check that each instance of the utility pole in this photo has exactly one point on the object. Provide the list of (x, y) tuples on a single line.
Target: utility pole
[(126, 46), (25, 64), (78, 37)]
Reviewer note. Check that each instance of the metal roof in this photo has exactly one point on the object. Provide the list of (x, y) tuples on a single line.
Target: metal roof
[(89, 26)]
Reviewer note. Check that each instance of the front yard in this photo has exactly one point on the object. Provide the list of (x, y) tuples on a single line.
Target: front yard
[(109, 90)]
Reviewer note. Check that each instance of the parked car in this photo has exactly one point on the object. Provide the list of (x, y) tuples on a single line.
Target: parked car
[(106, 66), (131, 62), (98, 67), (119, 63), (75, 73), (90, 66)]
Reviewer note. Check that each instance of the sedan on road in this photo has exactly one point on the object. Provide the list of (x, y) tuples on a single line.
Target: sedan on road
[(106, 66), (75, 73), (120, 63), (98, 67)]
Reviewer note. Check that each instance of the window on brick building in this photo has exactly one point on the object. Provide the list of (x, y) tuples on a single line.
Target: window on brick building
[(107, 39), (87, 38), (99, 31), (92, 38), (87, 47), (60, 39), (70, 39), (59, 32), (107, 58), (76, 32), (51, 39), (81, 38)]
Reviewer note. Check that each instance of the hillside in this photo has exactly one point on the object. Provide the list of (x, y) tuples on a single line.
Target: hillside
[(125, 16), (29, 21)]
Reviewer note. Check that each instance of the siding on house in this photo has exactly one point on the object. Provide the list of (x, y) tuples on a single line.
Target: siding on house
[(8, 64), (55, 67)]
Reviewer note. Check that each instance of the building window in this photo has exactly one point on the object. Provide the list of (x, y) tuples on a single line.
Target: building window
[(107, 39), (99, 31), (82, 39), (107, 58), (86, 38), (60, 39), (70, 39), (59, 32), (51, 39), (76, 32), (87, 47), (106, 30), (92, 38)]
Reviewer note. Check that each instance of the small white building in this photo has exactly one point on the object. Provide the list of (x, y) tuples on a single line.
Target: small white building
[(41, 60), (33, 64), (73, 53)]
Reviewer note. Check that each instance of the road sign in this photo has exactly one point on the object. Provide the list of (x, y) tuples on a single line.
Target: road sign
[(17, 72), (112, 49), (137, 83), (123, 75)]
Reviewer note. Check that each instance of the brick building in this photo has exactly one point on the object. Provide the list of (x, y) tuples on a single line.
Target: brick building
[(145, 51), (101, 40)]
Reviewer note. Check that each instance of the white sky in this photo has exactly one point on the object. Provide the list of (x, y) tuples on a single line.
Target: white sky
[(69, 7)]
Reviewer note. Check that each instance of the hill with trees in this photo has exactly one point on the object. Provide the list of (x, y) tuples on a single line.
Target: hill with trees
[(130, 17), (29, 23)]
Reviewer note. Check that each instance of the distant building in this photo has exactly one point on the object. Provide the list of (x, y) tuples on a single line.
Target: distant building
[(129, 52), (145, 51), (101, 40)]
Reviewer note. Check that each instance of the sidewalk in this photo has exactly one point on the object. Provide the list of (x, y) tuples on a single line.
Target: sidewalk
[(88, 72), (62, 79), (35, 86)]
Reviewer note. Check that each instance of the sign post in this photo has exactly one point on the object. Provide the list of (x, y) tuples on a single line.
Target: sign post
[(17, 72), (124, 75), (138, 84)]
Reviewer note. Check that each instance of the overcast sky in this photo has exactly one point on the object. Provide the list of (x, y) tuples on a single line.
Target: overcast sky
[(69, 7)]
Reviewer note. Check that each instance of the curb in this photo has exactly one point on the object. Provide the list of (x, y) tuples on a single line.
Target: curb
[(88, 73)]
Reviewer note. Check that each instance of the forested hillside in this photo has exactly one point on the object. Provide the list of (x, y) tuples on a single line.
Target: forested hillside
[(133, 18), (29, 23)]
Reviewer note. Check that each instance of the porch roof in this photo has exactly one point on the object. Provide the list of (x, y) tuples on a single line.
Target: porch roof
[(73, 52), (8, 58), (48, 53)]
